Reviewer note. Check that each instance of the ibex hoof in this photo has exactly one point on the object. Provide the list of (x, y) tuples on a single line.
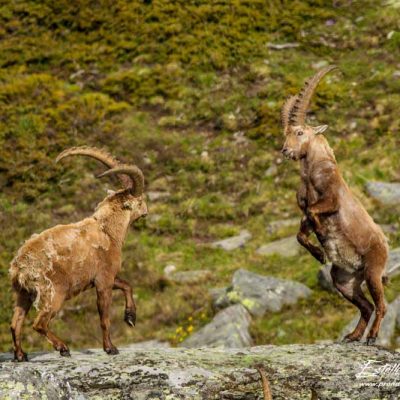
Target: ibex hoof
[(130, 318), (112, 351), (65, 353), (371, 341), (349, 339), (20, 357)]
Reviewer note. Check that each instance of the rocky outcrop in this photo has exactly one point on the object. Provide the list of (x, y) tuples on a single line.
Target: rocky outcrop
[(233, 242), (384, 192), (334, 371), (228, 329), (286, 247), (259, 293)]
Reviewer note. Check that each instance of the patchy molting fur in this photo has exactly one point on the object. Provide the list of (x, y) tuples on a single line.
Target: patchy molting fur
[(65, 260)]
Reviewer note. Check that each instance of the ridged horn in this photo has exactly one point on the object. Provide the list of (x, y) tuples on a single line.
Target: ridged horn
[(133, 172), (297, 115), (285, 112), (98, 154)]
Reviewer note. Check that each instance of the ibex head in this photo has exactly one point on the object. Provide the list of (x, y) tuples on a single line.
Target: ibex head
[(130, 198), (293, 115)]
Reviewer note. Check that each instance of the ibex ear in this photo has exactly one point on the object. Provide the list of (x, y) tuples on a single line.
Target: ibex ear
[(320, 129)]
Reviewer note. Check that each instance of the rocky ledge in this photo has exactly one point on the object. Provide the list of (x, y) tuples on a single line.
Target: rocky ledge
[(324, 371)]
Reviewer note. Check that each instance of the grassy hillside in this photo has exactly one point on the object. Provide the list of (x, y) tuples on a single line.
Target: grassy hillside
[(191, 92)]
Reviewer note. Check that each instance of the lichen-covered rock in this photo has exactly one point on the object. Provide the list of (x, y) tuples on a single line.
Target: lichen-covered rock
[(286, 247), (393, 264), (233, 242), (228, 329), (260, 294), (386, 193), (332, 371), (388, 325)]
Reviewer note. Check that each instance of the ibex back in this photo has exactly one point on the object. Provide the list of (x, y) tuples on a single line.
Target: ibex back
[(65, 260), (350, 239)]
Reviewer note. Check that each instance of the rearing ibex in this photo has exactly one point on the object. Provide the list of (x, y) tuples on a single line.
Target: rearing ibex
[(65, 260), (350, 239)]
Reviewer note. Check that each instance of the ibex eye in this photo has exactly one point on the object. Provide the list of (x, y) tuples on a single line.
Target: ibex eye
[(299, 133)]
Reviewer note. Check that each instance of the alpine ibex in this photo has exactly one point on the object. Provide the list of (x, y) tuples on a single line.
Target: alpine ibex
[(350, 239), (61, 262)]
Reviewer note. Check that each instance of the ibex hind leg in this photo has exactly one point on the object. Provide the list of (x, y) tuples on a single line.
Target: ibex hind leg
[(23, 304), (42, 322), (349, 285), (375, 262)]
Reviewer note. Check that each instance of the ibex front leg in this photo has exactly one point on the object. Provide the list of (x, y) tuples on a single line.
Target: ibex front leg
[(104, 298), (303, 238), (130, 307)]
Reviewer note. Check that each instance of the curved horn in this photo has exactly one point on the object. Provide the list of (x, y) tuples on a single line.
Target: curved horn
[(98, 154), (285, 112), (298, 112), (133, 172)]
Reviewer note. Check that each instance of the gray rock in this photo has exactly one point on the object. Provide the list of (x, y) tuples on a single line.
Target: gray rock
[(282, 46), (154, 196), (260, 294), (333, 371), (190, 277), (393, 264), (384, 192), (287, 247), (228, 329), (388, 325), (276, 226), (233, 242), (272, 170), (149, 344)]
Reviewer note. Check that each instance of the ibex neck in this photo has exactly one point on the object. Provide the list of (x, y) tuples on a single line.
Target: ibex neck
[(319, 150), (114, 223)]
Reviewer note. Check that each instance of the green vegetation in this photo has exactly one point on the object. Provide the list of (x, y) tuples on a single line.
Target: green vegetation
[(191, 92)]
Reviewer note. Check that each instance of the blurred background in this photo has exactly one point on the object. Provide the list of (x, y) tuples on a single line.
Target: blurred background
[(191, 91)]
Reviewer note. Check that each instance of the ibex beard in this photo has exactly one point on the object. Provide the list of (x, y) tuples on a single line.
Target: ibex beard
[(349, 237), (63, 261)]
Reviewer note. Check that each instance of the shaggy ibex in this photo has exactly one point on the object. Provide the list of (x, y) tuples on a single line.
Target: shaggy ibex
[(351, 240), (65, 260)]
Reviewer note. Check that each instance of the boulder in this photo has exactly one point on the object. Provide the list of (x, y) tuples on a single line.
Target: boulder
[(331, 371), (259, 293), (287, 247), (228, 329), (388, 325), (233, 242), (155, 195), (384, 192), (393, 264), (149, 344)]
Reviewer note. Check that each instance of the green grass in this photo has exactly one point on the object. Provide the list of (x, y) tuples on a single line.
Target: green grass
[(191, 92)]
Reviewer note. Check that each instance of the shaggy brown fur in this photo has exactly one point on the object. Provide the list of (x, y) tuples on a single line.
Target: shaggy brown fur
[(65, 260), (350, 239)]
